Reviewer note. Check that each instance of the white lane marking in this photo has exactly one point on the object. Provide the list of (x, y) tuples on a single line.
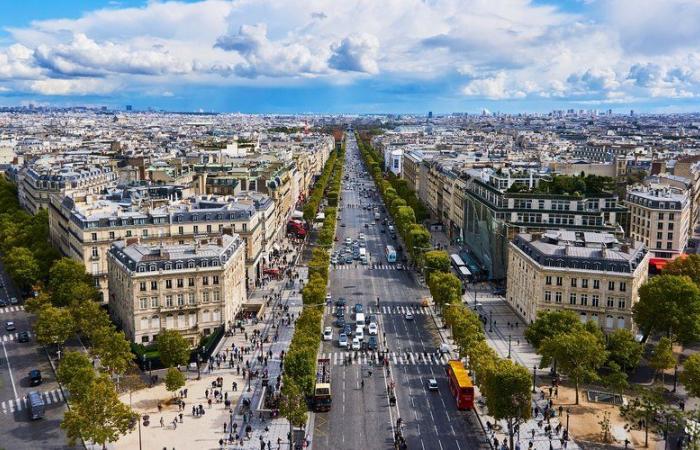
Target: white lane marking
[(9, 370)]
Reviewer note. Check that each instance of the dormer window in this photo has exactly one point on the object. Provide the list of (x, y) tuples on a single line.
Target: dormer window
[(153, 268)]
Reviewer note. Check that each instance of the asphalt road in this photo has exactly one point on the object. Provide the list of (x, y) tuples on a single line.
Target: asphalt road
[(16, 360), (361, 417)]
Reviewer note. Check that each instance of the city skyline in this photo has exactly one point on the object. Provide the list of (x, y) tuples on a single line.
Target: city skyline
[(385, 57)]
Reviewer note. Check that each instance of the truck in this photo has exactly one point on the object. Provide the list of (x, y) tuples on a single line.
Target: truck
[(322, 387)]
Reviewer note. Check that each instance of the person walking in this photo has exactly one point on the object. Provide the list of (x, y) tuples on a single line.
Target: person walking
[(162, 422)]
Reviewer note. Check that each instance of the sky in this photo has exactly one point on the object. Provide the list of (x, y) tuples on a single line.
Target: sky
[(352, 56)]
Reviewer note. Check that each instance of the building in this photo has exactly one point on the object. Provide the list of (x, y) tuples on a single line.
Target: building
[(191, 288), (660, 216), (592, 274)]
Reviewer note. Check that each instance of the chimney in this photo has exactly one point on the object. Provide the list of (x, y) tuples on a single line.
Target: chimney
[(603, 251)]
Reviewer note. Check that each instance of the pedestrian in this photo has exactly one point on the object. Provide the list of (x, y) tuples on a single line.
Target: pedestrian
[(180, 417), (185, 392), (160, 407), (194, 412), (162, 422), (175, 423), (224, 427)]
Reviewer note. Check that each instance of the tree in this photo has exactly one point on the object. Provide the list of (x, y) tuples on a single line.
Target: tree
[(507, 390), (64, 276), (405, 217), (89, 317), (690, 376), (174, 380), (417, 241), (643, 409), (551, 323), (663, 357), (174, 349), (624, 349), (34, 304), (579, 354), (688, 265), (436, 261), (53, 325), (75, 371), (293, 404), (22, 267), (445, 288), (616, 379), (99, 416), (669, 304), (113, 349)]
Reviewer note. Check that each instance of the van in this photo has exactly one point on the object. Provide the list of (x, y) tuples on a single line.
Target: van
[(36, 405), (360, 319)]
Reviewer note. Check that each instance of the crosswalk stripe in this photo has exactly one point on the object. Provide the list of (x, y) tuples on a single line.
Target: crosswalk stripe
[(4, 408)]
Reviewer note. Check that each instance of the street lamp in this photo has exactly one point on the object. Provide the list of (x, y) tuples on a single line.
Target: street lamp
[(568, 414), (675, 378), (509, 346), (491, 321), (534, 379)]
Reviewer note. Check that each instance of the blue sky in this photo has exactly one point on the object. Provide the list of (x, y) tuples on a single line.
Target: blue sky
[(353, 56)]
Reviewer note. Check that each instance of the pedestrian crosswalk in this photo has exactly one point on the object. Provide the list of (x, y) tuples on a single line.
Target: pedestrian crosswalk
[(368, 266), (396, 358), (402, 310), (12, 336), (9, 309), (20, 404)]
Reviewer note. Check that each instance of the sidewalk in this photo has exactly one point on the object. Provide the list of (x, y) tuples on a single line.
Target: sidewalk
[(205, 431)]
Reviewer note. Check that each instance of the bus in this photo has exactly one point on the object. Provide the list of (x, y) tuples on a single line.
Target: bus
[(461, 384), (456, 262), (390, 254)]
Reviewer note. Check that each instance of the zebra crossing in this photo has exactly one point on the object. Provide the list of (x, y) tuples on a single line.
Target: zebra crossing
[(12, 336), (20, 404), (402, 310), (368, 267), (396, 358), (9, 309)]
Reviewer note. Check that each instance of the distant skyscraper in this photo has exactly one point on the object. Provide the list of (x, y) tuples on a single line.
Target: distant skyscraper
[(430, 114), (631, 112), (129, 107)]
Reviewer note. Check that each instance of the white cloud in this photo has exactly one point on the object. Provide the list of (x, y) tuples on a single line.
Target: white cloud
[(85, 86), (16, 62), (356, 53)]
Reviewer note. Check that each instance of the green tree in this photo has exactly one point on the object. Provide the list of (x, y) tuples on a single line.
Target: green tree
[(22, 267), (64, 276), (646, 408), (436, 261), (690, 376), (75, 371), (300, 365), (663, 357), (34, 304), (417, 241), (89, 317), (174, 380), (616, 378), (445, 288), (293, 404), (579, 354), (669, 304), (624, 349), (551, 323), (174, 350), (689, 266), (405, 217), (113, 349), (99, 416), (53, 325), (507, 391)]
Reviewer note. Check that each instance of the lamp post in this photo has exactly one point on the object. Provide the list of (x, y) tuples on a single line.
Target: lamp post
[(568, 414), (509, 340), (534, 379), (491, 321), (675, 378)]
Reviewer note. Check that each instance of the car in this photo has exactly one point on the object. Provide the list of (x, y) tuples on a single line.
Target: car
[(348, 241), (334, 260), (342, 225), (4, 302), (328, 298), (362, 236), (372, 318), (340, 301), (372, 329), (10, 326), (358, 308), (23, 336), (340, 322), (499, 291), (360, 333), (347, 329), (35, 377), (328, 334), (343, 340), (432, 384), (356, 344), (340, 311), (348, 260), (13, 301), (408, 316), (372, 343)]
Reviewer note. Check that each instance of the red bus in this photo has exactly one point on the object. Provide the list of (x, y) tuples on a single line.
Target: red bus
[(461, 384)]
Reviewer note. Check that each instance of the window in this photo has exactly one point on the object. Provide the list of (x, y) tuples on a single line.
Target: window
[(168, 284), (245, 227), (669, 236), (658, 244), (205, 297), (144, 324), (548, 280), (621, 303), (205, 281), (611, 285), (669, 246), (595, 300), (584, 283), (215, 279), (95, 252), (191, 299), (547, 297), (180, 300), (609, 322), (180, 282), (208, 228), (596, 284), (620, 322), (661, 216), (195, 229), (190, 282), (559, 281), (216, 296), (623, 286), (111, 236), (94, 236), (144, 233), (154, 302), (128, 233), (659, 235), (180, 230), (557, 297), (572, 299), (142, 286), (584, 299), (143, 303), (573, 282), (661, 226), (671, 216), (154, 285), (168, 300), (610, 302), (670, 227)]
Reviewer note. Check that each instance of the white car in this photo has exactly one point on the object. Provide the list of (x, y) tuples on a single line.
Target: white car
[(359, 333), (409, 316), (356, 345), (348, 241), (372, 329), (432, 384), (328, 334), (343, 340)]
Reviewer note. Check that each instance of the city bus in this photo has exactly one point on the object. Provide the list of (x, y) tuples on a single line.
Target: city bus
[(461, 385), (390, 254), (456, 262)]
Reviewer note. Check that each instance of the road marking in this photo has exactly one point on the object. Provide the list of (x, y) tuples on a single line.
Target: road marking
[(9, 370)]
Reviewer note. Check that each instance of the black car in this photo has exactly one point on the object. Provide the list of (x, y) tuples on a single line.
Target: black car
[(340, 302), (340, 311), (23, 336), (340, 322), (35, 377), (3, 302), (372, 343), (499, 291)]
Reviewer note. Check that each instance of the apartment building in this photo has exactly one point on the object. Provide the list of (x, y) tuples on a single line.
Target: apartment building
[(84, 226), (660, 216), (592, 274), (191, 288)]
